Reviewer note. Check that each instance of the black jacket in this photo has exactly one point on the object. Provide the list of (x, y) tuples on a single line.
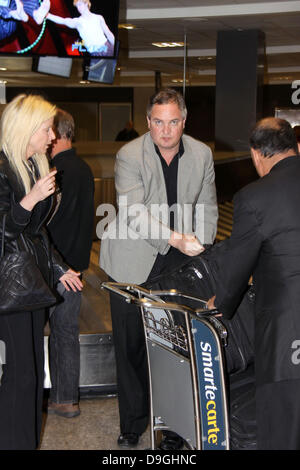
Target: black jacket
[(71, 226), (30, 223), (265, 243)]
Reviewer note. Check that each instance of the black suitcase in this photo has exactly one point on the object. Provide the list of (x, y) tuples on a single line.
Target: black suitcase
[(195, 277)]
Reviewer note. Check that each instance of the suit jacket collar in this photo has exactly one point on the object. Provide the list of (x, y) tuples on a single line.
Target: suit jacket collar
[(285, 162), (185, 166), (179, 153)]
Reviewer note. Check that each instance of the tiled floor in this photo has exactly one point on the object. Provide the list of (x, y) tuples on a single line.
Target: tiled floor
[(96, 428)]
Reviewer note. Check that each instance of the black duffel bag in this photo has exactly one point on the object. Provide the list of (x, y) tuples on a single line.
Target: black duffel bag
[(194, 277)]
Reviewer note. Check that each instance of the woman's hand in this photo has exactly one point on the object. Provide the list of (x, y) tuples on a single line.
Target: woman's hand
[(43, 188), (71, 280)]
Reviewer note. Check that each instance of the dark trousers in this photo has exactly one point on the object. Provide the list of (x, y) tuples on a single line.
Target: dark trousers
[(64, 348), (131, 354), (21, 386), (278, 415), (131, 364)]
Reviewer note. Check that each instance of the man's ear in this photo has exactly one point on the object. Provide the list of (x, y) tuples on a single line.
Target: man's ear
[(148, 122), (258, 162), (255, 157)]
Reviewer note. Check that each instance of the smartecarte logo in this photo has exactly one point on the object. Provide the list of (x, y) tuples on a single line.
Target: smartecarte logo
[(210, 394), (211, 386)]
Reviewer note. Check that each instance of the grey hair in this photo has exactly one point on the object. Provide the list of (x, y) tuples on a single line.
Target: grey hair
[(166, 96), (63, 125)]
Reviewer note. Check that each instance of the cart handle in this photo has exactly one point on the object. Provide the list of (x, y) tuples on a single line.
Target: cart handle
[(176, 293), (145, 302), (124, 288)]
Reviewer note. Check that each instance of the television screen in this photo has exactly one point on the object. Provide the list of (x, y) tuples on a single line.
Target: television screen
[(63, 28), (58, 66), (102, 71)]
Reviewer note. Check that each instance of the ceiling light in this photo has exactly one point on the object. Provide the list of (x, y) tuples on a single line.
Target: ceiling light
[(127, 26), (178, 80), (3, 69), (168, 44), (84, 82)]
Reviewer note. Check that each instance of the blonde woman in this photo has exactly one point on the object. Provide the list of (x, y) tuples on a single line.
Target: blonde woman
[(26, 189)]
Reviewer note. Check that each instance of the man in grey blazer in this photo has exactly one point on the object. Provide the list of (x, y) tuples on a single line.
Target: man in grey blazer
[(166, 194)]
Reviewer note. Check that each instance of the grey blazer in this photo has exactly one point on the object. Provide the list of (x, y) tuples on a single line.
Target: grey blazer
[(140, 230)]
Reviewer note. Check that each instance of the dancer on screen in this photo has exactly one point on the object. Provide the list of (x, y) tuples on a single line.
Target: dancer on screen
[(97, 38)]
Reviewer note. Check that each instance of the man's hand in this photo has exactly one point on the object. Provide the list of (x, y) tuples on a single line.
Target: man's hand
[(186, 243), (71, 280), (211, 303)]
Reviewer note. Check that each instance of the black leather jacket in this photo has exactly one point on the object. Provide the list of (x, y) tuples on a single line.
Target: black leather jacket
[(30, 223)]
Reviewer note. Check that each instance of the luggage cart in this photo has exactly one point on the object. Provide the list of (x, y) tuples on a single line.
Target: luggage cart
[(186, 366)]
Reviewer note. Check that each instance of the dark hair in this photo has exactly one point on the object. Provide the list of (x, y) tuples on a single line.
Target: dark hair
[(296, 129), (166, 96), (63, 125), (272, 136)]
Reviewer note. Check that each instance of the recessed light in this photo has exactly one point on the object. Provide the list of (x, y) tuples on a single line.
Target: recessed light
[(3, 69), (168, 44), (127, 26), (84, 82), (178, 80)]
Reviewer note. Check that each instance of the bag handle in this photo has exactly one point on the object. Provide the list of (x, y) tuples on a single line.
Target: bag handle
[(3, 238), (3, 234)]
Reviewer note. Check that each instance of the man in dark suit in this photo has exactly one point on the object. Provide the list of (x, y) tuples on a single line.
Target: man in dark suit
[(265, 244)]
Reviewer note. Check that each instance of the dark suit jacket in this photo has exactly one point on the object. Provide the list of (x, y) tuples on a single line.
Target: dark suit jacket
[(265, 243)]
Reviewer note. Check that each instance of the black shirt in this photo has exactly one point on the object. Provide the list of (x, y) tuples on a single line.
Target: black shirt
[(171, 177)]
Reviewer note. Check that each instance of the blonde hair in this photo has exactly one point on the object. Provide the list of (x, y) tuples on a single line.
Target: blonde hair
[(83, 1), (21, 118)]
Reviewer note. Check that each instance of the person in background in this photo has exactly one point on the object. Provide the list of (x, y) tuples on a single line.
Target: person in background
[(128, 133), (71, 231), (162, 168), (265, 245), (26, 189)]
